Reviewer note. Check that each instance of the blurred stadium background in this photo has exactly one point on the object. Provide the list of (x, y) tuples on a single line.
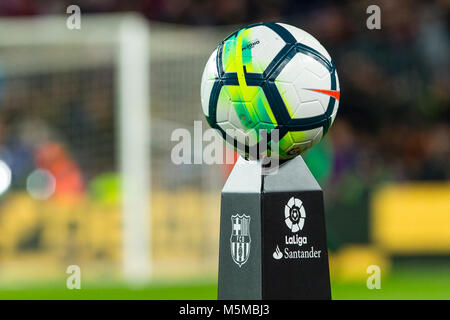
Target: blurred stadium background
[(72, 163)]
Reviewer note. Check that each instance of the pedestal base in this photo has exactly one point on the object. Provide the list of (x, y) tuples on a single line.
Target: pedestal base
[(272, 234)]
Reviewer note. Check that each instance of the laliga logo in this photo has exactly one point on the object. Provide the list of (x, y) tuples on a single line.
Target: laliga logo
[(294, 214)]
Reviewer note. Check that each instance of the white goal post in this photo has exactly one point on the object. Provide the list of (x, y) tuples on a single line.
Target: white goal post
[(133, 113)]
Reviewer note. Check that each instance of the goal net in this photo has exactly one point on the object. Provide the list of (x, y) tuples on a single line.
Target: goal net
[(86, 176)]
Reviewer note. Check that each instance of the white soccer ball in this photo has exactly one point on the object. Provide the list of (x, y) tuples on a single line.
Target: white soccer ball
[(270, 76)]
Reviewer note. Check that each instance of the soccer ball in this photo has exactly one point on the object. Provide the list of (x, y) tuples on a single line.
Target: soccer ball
[(270, 76)]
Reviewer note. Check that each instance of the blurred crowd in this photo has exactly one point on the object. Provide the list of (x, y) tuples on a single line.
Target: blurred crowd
[(395, 81), (393, 119)]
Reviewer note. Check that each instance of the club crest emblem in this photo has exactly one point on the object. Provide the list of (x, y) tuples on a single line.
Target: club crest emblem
[(240, 238)]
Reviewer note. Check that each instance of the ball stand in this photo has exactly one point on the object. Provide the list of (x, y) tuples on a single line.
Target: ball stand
[(272, 234)]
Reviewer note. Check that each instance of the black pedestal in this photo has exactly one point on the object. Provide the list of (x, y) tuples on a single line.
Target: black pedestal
[(272, 234)]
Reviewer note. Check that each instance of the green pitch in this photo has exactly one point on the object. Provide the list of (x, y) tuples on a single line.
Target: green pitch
[(407, 284)]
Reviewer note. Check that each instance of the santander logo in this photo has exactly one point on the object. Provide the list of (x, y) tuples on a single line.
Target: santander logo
[(277, 255)]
